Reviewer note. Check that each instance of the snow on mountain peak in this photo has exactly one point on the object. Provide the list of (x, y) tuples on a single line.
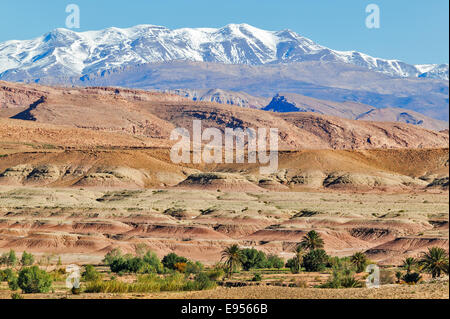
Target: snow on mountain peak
[(64, 52)]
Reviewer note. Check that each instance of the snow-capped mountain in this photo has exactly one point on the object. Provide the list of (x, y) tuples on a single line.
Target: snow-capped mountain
[(64, 53)]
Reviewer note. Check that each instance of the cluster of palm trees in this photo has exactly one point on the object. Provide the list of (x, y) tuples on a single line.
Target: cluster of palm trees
[(310, 241), (434, 261), (232, 255)]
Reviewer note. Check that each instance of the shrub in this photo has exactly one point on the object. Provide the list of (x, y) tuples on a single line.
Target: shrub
[(342, 277), (153, 261), (412, 278), (34, 280), (3, 259), (6, 274), (252, 258), (216, 274), (170, 260), (181, 267), (10, 258), (90, 274), (194, 268), (16, 296), (13, 283), (257, 277), (292, 264), (315, 260), (340, 262), (111, 256), (58, 275), (27, 259), (351, 282), (273, 261), (201, 282), (148, 263)]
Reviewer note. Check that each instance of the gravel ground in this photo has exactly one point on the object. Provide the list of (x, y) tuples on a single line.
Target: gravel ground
[(438, 290)]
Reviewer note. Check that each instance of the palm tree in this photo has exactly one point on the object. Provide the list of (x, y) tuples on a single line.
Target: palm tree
[(233, 257), (312, 240), (359, 259), (435, 261), (299, 253), (409, 264)]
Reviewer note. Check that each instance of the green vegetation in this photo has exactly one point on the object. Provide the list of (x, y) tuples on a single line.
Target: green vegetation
[(58, 274), (15, 295), (27, 259), (435, 261), (90, 274), (34, 280), (252, 258), (232, 256), (153, 283), (312, 241), (6, 274), (274, 262), (10, 277), (295, 264), (9, 259), (216, 274), (315, 260), (174, 262), (148, 274), (343, 274), (359, 259), (257, 277), (409, 264), (412, 278), (118, 263)]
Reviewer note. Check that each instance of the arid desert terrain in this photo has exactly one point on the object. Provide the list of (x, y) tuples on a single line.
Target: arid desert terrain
[(86, 171)]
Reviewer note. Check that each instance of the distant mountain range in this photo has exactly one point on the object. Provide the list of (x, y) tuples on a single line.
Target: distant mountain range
[(251, 64), (63, 52), (291, 102)]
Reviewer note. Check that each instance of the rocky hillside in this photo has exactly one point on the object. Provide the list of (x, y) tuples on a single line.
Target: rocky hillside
[(154, 115)]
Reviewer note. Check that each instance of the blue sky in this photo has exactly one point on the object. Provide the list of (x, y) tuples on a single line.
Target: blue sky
[(415, 31)]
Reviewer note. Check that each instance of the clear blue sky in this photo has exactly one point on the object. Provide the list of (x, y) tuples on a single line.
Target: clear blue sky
[(415, 31)]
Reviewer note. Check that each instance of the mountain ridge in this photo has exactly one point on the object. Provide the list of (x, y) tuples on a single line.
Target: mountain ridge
[(63, 52)]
